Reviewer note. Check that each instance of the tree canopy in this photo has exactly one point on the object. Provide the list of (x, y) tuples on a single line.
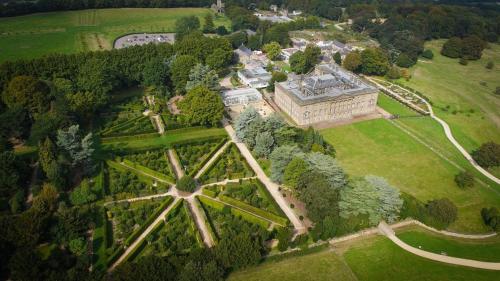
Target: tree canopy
[(202, 106)]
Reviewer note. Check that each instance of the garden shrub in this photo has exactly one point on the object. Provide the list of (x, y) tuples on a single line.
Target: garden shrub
[(464, 179), (186, 183)]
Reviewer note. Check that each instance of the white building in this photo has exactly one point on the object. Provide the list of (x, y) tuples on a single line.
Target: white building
[(241, 96), (256, 77)]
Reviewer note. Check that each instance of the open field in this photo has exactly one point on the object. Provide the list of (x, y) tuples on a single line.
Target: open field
[(381, 148), (473, 113), (476, 249), (75, 31), (372, 258)]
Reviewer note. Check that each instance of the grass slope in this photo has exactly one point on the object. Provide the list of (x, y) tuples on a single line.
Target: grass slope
[(378, 258), (75, 31), (380, 148), (324, 265), (476, 249), (462, 88)]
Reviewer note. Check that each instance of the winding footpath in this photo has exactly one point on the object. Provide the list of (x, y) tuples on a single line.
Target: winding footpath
[(447, 131), (386, 230)]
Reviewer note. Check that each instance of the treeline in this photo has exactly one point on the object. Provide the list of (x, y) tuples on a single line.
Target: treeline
[(403, 29), (17, 8)]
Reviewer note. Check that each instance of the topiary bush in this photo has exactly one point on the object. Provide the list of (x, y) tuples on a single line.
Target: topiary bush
[(186, 183)]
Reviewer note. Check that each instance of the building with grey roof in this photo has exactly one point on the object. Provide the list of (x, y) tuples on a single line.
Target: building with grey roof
[(256, 77), (329, 93), (242, 96)]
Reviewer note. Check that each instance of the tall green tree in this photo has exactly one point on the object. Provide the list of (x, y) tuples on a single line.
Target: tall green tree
[(202, 75), (374, 61), (28, 92), (272, 50), (186, 25), (202, 106), (208, 26), (180, 70)]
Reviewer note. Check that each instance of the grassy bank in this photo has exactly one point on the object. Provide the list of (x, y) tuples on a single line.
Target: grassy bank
[(384, 149), (462, 95)]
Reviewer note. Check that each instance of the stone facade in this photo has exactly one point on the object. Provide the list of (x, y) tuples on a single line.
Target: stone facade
[(329, 94)]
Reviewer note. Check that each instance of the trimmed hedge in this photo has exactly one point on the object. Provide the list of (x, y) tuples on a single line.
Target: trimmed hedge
[(192, 224), (236, 212), (251, 209), (125, 124), (208, 221), (149, 171), (115, 256), (208, 192), (175, 209), (129, 137), (150, 220), (207, 158), (265, 192)]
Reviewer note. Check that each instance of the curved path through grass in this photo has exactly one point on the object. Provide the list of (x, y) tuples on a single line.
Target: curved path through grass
[(387, 231), (447, 132)]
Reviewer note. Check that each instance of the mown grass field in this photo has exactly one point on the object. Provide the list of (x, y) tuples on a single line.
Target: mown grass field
[(378, 258), (371, 259), (85, 30), (476, 249), (468, 91), (381, 148), (324, 265)]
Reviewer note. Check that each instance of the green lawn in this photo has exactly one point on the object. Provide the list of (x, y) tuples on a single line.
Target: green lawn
[(380, 148), (371, 259), (476, 249), (324, 265), (167, 139), (378, 258), (74, 31), (463, 89)]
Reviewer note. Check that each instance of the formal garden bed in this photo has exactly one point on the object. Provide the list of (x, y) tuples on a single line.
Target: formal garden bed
[(229, 165), (192, 156), (226, 223), (138, 125), (124, 218), (123, 184), (253, 192), (177, 236), (156, 160)]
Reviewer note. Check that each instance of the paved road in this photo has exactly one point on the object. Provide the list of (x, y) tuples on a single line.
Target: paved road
[(447, 132), (271, 186), (143, 235), (387, 231)]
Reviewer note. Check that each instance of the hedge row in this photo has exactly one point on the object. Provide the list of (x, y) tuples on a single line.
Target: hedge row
[(205, 160), (99, 180), (209, 193), (149, 171), (208, 221), (265, 192), (251, 209), (175, 209), (193, 226), (209, 168), (237, 212), (176, 158), (115, 256), (129, 138), (125, 124), (168, 200)]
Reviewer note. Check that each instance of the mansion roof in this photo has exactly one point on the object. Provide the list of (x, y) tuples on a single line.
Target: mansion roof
[(327, 82)]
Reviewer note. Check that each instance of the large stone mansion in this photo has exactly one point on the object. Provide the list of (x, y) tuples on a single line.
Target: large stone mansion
[(329, 93)]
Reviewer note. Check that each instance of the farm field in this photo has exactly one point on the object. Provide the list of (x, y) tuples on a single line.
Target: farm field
[(383, 149), (35, 35), (477, 249), (462, 95)]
